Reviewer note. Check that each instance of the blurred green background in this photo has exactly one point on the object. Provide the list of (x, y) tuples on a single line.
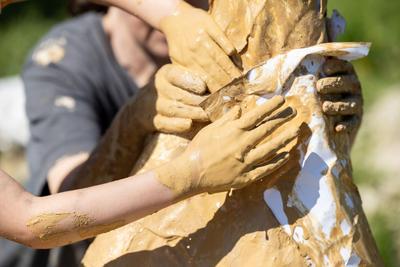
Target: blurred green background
[(22, 24)]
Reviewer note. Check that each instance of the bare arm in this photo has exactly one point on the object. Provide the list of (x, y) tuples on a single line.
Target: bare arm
[(227, 154), (120, 146), (76, 215), (195, 41), (170, 106), (151, 11)]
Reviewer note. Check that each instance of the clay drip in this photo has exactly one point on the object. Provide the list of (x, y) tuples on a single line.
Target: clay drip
[(308, 213)]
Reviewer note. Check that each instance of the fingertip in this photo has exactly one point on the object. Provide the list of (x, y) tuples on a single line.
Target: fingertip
[(199, 85), (279, 99), (203, 117), (182, 125), (186, 79), (218, 35), (172, 125), (234, 113)]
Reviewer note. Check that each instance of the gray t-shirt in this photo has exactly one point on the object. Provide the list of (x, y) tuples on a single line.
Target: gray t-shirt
[(74, 88)]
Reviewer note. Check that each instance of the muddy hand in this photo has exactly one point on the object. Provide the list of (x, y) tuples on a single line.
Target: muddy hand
[(170, 104), (228, 154), (195, 41), (341, 96)]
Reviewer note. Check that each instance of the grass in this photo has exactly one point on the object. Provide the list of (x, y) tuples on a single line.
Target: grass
[(21, 26), (384, 238), (376, 22)]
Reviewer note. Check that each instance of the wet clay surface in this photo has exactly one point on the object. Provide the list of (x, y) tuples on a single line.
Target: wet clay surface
[(308, 213)]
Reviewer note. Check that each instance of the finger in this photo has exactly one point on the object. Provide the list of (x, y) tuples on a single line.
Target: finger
[(249, 120), (268, 169), (253, 137), (172, 125), (338, 85), (212, 73), (231, 115), (185, 79), (267, 150), (348, 125), (220, 38), (223, 61), (334, 66), (350, 106), (178, 94), (176, 109)]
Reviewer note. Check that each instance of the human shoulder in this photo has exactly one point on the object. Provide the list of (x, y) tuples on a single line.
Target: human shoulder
[(68, 45)]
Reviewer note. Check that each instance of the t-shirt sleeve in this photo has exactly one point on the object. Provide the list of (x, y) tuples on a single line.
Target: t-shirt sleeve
[(60, 106)]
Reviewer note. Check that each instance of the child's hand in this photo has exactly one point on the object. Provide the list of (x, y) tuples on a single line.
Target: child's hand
[(341, 95), (229, 153), (196, 42)]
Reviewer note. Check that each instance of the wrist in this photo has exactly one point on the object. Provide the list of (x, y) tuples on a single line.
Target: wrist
[(174, 10), (179, 176), (170, 8)]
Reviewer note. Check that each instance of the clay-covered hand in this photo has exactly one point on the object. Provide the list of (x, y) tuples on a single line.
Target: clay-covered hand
[(195, 41), (170, 104), (341, 96), (228, 154)]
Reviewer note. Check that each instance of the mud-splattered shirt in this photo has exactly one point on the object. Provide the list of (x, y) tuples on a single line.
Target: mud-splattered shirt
[(74, 88)]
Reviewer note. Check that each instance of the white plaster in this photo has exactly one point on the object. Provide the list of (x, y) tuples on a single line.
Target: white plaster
[(261, 101), (345, 226), (345, 253), (252, 76), (273, 199), (298, 235), (313, 63), (282, 66), (312, 193), (312, 188), (306, 81), (350, 259), (226, 98), (327, 263), (354, 260)]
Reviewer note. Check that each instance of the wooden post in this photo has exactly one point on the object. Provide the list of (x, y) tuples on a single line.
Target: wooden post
[(243, 228)]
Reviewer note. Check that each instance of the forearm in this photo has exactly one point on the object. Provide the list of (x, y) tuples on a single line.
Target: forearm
[(14, 205), (115, 155), (72, 216), (151, 11)]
